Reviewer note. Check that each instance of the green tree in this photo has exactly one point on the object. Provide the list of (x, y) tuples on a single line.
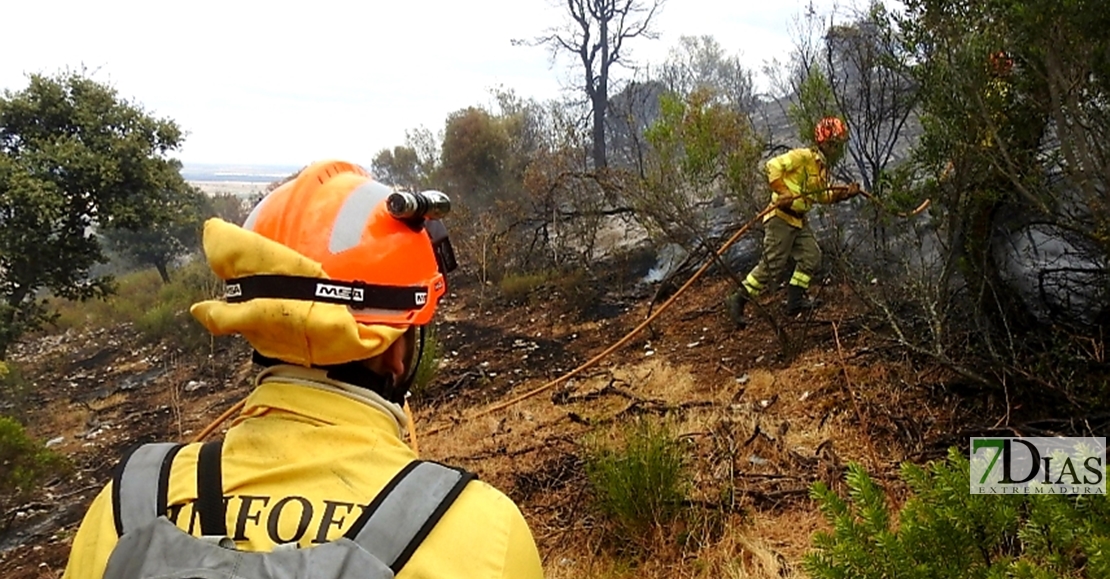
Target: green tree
[(175, 233), (704, 149), (74, 156), (230, 207), (475, 151), (399, 167), (815, 101), (1013, 107), (699, 62)]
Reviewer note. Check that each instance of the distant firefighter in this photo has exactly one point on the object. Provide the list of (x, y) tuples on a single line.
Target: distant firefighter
[(802, 175)]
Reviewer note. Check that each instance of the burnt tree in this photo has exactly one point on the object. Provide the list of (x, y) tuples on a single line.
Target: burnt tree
[(595, 34)]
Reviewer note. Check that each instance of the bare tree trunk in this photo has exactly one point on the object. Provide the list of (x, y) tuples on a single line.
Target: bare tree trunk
[(596, 34), (163, 271), (601, 99), (599, 130)]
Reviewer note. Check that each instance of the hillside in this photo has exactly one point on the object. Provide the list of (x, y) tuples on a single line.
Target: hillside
[(759, 427)]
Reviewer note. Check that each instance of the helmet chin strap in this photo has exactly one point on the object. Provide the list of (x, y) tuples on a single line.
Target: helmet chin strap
[(416, 355)]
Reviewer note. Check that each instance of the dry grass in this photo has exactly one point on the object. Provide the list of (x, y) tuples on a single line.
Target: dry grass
[(738, 551), (797, 409), (531, 450), (753, 443), (66, 419)]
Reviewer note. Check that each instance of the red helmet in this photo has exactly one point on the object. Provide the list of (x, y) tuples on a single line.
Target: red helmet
[(830, 128), (387, 270), (1001, 64)]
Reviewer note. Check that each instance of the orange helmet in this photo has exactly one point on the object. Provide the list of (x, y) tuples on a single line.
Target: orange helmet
[(386, 269), (830, 128), (1001, 64)]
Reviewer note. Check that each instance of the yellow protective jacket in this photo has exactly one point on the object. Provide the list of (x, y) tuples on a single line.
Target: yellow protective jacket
[(805, 172), (303, 459)]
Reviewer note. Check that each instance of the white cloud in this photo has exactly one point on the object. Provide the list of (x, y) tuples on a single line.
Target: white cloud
[(287, 83)]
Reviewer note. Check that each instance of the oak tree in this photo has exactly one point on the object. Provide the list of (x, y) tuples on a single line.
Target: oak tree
[(74, 156)]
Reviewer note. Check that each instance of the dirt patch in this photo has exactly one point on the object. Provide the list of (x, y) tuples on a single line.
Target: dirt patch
[(93, 395)]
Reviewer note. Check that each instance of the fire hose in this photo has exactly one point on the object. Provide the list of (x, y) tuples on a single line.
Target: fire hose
[(632, 333), (881, 205), (614, 347)]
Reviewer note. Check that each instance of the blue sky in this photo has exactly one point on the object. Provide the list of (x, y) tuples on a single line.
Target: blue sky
[(289, 83)]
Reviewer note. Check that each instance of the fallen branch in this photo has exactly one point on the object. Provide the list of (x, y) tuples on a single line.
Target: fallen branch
[(565, 397), (774, 498), (546, 444)]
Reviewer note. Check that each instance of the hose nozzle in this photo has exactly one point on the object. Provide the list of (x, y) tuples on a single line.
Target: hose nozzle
[(425, 204)]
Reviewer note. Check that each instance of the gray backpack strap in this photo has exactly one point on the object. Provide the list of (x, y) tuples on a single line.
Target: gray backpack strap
[(140, 484), (402, 515)]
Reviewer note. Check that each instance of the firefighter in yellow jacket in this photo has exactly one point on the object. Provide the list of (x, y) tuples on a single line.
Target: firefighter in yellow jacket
[(331, 280), (798, 178)]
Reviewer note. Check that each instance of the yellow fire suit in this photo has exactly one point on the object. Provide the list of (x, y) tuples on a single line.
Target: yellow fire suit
[(805, 173), (302, 460)]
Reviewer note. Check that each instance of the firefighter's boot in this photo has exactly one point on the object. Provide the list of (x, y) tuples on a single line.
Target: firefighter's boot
[(736, 303), (797, 301)]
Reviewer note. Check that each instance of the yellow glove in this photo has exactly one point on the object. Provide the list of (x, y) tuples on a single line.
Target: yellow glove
[(848, 191)]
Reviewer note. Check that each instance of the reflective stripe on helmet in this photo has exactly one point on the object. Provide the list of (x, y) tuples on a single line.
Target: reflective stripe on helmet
[(253, 216), (349, 224)]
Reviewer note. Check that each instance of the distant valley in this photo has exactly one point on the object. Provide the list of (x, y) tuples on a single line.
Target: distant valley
[(237, 179)]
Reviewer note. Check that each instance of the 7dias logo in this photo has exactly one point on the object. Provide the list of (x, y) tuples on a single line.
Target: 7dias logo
[(1061, 466)]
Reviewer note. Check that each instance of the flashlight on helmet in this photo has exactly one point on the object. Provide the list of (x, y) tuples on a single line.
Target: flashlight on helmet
[(425, 204)]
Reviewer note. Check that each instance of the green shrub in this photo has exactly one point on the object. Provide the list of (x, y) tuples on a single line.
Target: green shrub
[(640, 481), (169, 319), (518, 286), (171, 323), (946, 532), (159, 310), (580, 291), (15, 391), (24, 464), (133, 294), (575, 286)]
